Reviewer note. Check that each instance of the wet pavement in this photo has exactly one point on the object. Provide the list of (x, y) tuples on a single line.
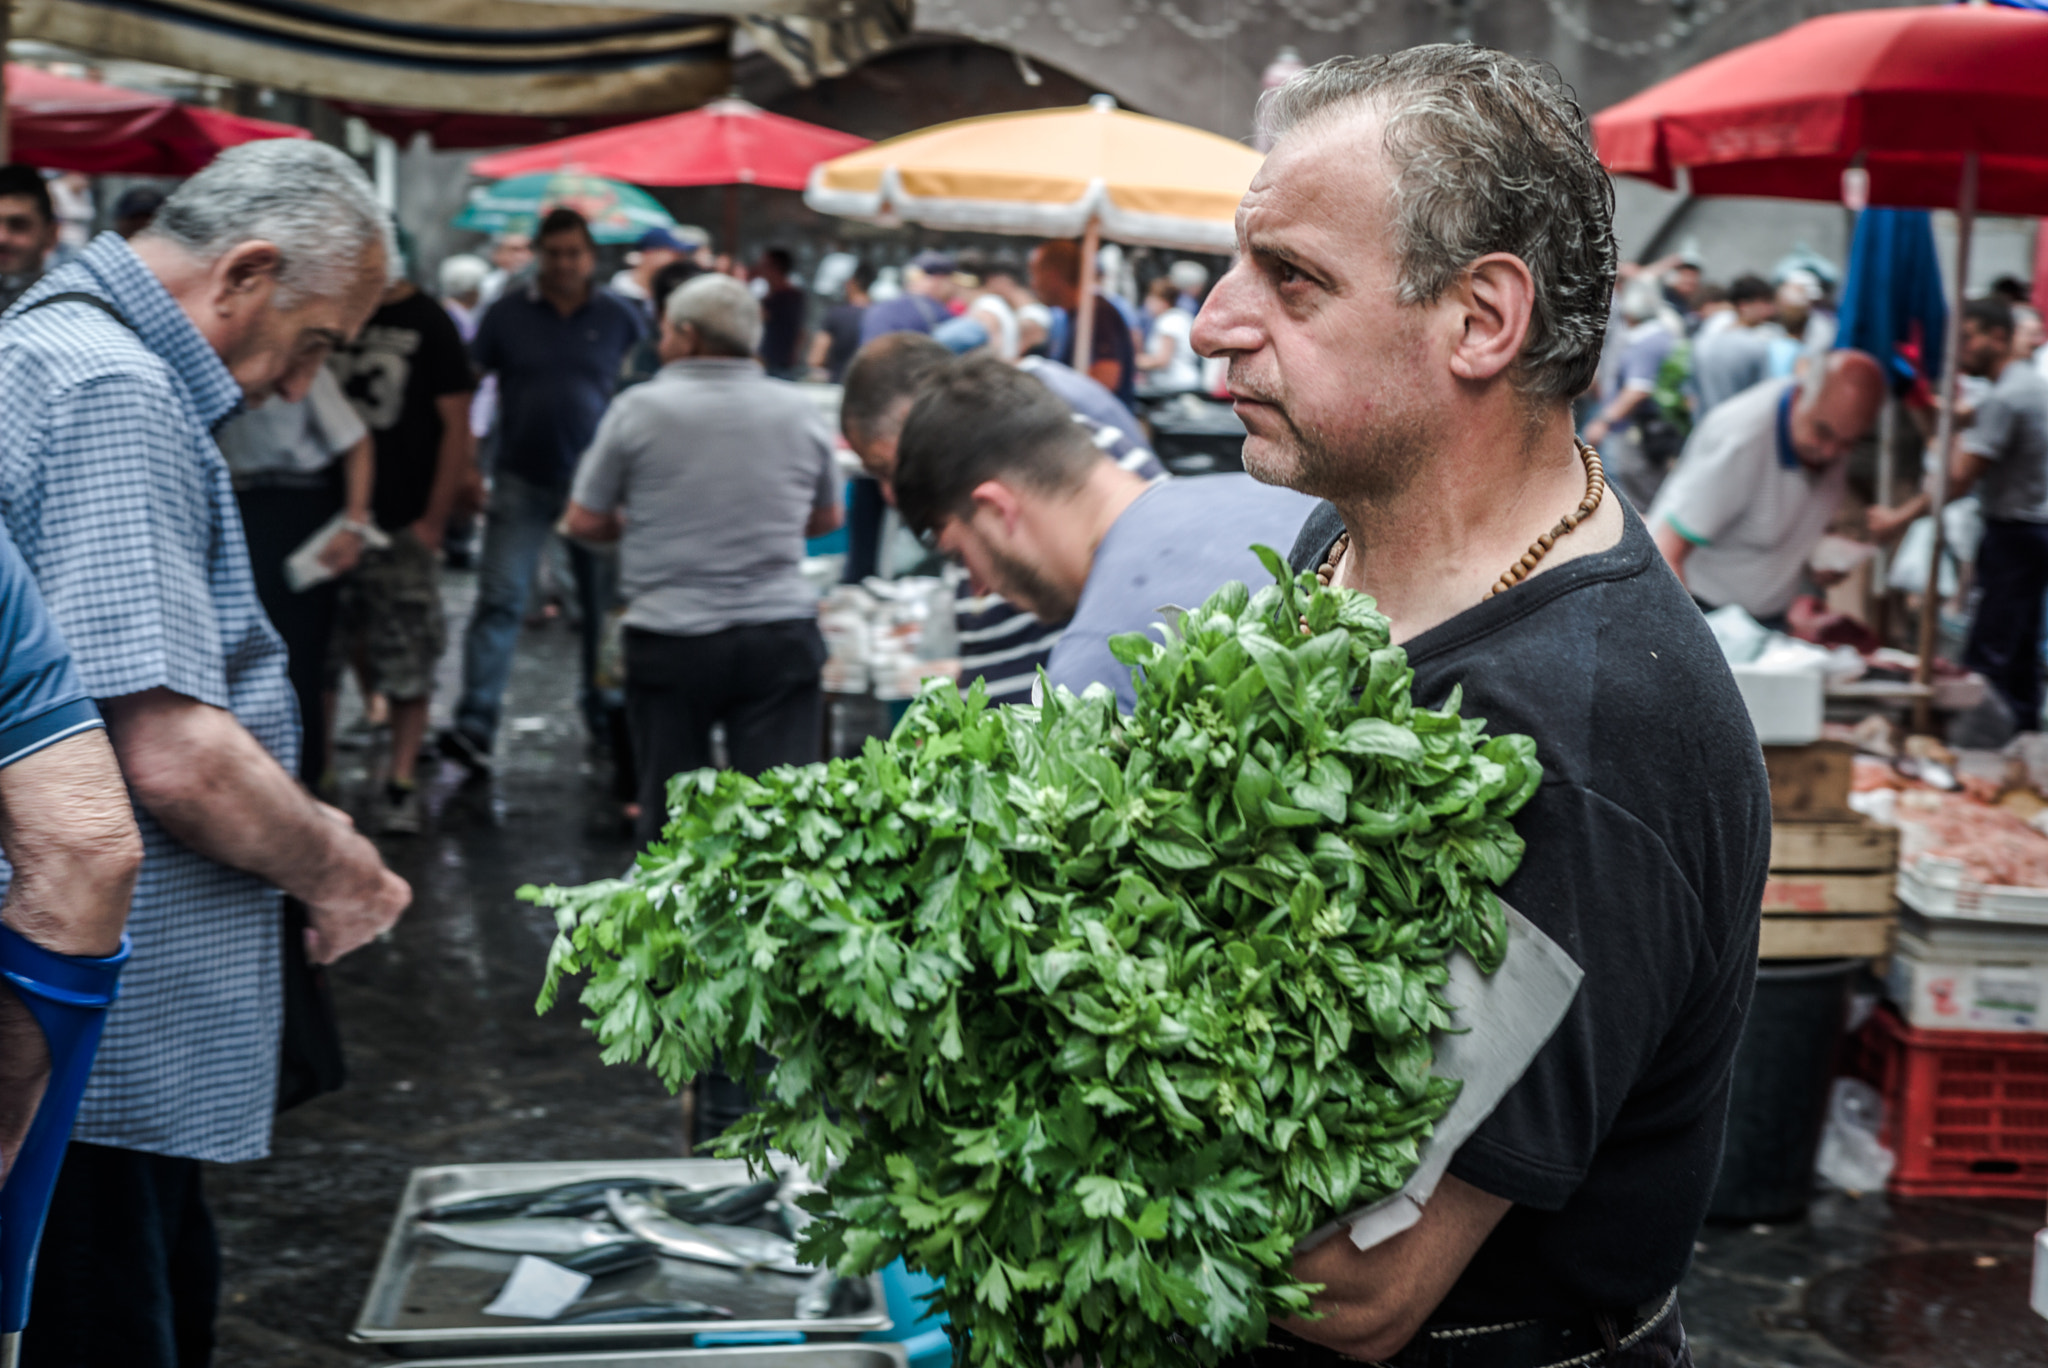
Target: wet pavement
[(449, 1064)]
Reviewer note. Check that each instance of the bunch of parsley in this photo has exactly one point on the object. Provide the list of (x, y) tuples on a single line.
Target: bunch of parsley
[(1095, 1016)]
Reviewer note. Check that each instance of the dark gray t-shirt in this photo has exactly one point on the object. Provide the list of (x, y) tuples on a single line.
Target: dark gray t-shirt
[(2011, 431), (1180, 542), (717, 468)]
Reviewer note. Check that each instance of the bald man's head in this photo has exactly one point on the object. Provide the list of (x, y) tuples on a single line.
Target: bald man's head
[(1837, 408)]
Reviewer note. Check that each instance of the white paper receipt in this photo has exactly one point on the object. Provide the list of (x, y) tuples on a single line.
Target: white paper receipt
[(538, 1290)]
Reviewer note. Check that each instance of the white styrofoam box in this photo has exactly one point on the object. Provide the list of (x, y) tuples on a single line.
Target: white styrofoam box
[(1960, 978), (2040, 1297), (1941, 888), (1785, 701)]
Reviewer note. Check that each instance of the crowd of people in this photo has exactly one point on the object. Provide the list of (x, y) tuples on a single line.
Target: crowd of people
[(243, 442)]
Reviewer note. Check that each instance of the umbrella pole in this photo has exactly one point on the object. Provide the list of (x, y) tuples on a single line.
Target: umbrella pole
[(732, 222), (1944, 434), (6, 124), (1887, 476), (1084, 312)]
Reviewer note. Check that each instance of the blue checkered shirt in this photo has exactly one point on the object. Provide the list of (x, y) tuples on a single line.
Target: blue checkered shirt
[(113, 489)]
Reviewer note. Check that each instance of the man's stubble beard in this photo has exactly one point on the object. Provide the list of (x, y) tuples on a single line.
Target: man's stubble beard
[(1024, 586), (1372, 467)]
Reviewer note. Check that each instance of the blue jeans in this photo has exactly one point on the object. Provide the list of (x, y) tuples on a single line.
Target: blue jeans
[(522, 518)]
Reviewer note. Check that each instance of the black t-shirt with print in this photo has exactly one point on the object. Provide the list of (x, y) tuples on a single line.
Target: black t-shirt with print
[(408, 356), (1647, 846)]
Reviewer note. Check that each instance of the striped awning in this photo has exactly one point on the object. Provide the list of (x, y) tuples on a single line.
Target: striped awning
[(482, 56)]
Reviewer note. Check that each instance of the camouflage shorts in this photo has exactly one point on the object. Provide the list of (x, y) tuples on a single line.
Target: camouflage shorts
[(390, 621)]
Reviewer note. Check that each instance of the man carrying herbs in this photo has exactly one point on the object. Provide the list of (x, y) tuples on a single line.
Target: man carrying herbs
[(1426, 262)]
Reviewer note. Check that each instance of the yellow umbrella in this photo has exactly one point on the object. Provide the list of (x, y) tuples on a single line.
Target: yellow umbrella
[(1090, 172)]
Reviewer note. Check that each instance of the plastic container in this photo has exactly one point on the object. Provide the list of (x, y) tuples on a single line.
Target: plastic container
[(1966, 1111), (1937, 887), (1950, 976), (1778, 1099), (918, 1331), (1785, 701)]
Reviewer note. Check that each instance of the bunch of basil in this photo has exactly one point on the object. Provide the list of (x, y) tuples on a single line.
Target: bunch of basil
[(1096, 1016)]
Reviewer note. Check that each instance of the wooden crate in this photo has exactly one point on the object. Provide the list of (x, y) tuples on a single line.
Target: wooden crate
[(1811, 783), (1832, 885)]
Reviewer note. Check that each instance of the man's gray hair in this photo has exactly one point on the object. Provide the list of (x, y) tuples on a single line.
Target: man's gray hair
[(1489, 154), (724, 312), (310, 201)]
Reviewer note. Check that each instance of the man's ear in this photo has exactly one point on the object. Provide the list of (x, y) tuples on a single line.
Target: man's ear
[(246, 269), (997, 498), (1495, 299)]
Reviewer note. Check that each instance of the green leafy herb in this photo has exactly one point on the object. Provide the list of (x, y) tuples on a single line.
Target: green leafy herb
[(1095, 1016)]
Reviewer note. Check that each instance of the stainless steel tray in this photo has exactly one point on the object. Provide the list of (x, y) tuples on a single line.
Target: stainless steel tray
[(752, 1356), (426, 1297)]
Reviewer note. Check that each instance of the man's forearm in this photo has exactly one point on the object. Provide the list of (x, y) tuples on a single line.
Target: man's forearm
[(215, 789), (359, 479), (69, 832), (452, 473)]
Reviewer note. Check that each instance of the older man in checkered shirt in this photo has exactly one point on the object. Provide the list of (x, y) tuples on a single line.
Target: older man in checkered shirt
[(114, 370)]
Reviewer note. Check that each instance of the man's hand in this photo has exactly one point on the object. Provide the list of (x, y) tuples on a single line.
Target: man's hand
[(213, 787), (356, 916), (1374, 1300), (342, 552), (428, 532)]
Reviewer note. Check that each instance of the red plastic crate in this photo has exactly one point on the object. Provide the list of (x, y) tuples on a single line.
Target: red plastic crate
[(1966, 1112)]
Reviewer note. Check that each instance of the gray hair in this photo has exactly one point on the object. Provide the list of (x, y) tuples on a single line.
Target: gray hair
[(463, 274), (309, 200), (1489, 154), (724, 312)]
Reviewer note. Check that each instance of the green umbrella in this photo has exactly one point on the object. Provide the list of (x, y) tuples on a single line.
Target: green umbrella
[(617, 212)]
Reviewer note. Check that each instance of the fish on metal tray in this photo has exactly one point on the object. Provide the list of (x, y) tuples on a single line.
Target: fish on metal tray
[(734, 1205), (828, 1296), (529, 1234), (585, 1198), (678, 1239), (642, 1313), (610, 1258), (759, 1248)]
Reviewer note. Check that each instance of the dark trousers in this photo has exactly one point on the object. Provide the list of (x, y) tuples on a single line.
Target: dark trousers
[(1530, 1344), (129, 1274), (2005, 639), (760, 680), (276, 522)]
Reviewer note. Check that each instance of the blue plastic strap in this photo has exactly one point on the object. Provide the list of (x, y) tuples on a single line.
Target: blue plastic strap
[(735, 1337), (68, 996)]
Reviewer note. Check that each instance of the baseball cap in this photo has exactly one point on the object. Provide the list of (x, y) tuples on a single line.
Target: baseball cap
[(668, 239), (934, 263)]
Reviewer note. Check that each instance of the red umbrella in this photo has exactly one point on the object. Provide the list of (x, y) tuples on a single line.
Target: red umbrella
[(72, 125), (1905, 93), (727, 142), (1940, 107)]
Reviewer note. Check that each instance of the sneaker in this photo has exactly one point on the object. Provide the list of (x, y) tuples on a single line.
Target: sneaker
[(459, 746), (401, 815)]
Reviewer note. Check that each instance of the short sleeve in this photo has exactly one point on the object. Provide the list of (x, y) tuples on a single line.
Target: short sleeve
[(1991, 432), (828, 491), (1710, 488), (339, 425), (444, 364), (123, 535), (42, 700), (1641, 362), (600, 484), (1590, 874), (486, 350)]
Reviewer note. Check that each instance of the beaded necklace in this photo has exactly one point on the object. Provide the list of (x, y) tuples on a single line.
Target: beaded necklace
[(1596, 487)]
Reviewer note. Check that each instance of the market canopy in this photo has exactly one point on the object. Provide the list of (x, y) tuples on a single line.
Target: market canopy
[(65, 124), (481, 56), (728, 142), (1903, 93), (1050, 173), (615, 212)]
